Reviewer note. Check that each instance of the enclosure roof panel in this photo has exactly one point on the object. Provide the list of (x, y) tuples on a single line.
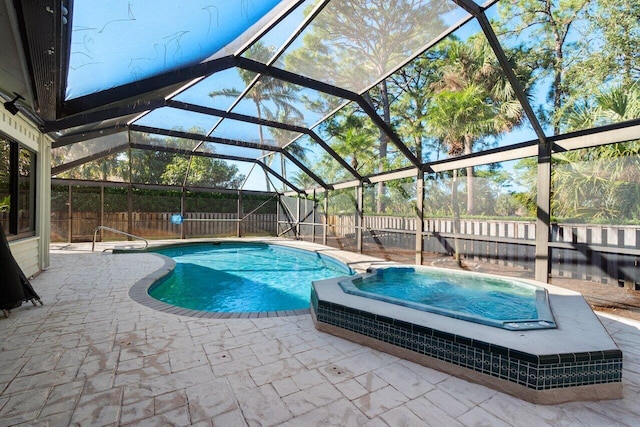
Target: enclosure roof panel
[(352, 45), (328, 92), (88, 148), (286, 102), (219, 90), (118, 42), (177, 119)]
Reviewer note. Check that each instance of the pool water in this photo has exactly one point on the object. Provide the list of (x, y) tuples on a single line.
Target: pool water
[(474, 297), (243, 277)]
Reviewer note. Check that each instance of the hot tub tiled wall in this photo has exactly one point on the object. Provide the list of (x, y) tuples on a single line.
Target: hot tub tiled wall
[(536, 372)]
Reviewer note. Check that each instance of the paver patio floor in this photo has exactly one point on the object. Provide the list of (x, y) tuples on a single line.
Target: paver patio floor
[(91, 356)]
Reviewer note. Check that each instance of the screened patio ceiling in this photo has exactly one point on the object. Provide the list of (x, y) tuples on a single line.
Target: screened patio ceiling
[(253, 83)]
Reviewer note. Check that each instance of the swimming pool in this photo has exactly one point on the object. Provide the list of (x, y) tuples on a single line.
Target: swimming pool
[(236, 277), (499, 302)]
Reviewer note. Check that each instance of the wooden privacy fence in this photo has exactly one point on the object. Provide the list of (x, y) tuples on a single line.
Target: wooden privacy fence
[(601, 253), (158, 225)]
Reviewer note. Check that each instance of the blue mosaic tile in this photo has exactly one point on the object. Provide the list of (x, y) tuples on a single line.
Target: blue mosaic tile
[(537, 372)]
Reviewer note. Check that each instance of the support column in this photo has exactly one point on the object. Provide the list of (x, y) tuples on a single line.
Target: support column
[(101, 212), (543, 218), (130, 197), (43, 203), (70, 216), (239, 223), (129, 210), (313, 217), (359, 218), (183, 212), (298, 210), (326, 217), (278, 208), (419, 216)]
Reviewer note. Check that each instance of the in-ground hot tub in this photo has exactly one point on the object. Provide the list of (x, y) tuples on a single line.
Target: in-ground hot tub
[(494, 301), (573, 359)]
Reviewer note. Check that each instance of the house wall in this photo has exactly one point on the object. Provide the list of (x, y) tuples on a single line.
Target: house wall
[(32, 253)]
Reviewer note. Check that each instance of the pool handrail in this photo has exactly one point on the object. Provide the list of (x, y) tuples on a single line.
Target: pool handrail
[(113, 230)]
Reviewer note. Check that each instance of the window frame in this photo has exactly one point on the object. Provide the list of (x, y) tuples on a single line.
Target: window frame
[(13, 231)]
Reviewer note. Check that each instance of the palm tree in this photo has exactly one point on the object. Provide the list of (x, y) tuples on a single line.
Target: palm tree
[(266, 93), (471, 101), (615, 105), (355, 43), (302, 180), (354, 139), (602, 181), (285, 137)]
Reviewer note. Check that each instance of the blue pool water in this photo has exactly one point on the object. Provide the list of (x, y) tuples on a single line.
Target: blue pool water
[(506, 303), (243, 277)]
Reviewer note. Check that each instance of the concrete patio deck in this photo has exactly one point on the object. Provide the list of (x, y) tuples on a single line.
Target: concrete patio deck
[(91, 356)]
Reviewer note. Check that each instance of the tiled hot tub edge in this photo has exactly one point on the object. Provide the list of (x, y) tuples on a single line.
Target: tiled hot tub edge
[(547, 379)]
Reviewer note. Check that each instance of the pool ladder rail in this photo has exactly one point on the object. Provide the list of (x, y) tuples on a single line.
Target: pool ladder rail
[(114, 230)]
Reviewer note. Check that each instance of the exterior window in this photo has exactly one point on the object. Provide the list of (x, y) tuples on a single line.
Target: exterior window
[(5, 193), (26, 190), (17, 188)]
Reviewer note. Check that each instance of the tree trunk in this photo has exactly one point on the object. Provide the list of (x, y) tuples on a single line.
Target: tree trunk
[(471, 209), (261, 136), (557, 83), (384, 142), (418, 144)]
